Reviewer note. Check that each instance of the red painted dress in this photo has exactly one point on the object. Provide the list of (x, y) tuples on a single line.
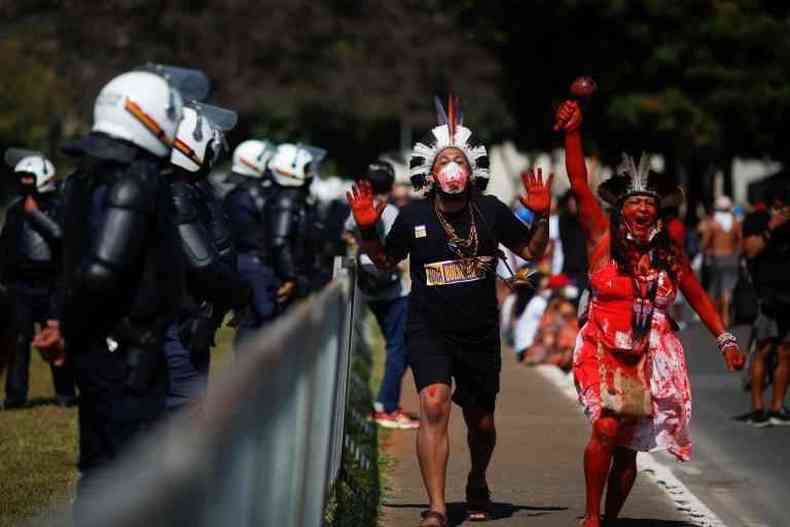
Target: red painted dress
[(605, 349)]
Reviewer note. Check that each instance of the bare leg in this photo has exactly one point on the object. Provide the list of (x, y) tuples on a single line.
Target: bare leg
[(433, 446), (621, 481), (781, 377), (597, 461), (758, 375), (481, 436)]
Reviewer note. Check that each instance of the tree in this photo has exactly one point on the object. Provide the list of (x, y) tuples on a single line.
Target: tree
[(699, 82), (348, 75)]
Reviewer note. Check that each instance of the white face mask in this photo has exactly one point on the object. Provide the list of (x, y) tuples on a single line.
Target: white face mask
[(453, 178)]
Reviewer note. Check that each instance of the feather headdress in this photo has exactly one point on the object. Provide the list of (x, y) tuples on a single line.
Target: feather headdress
[(632, 179), (450, 132)]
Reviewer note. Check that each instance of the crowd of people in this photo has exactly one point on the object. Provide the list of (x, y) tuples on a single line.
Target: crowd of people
[(132, 263)]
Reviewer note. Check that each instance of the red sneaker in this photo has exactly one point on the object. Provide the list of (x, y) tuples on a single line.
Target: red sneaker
[(398, 419)]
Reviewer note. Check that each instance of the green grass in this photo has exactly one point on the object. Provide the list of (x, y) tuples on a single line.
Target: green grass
[(375, 340), (38, 444), (38, 450)]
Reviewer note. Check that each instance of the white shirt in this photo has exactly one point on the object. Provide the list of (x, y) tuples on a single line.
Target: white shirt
[(528, 323)]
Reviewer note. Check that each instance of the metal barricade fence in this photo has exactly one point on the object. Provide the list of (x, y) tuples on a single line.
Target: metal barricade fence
[(266, 445)]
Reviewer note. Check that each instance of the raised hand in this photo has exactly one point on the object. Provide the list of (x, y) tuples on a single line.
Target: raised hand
[(568, 117), (365, 212), (538, 196), (734, 357)]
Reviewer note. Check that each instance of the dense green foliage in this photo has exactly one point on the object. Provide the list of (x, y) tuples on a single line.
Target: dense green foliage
[(699, 81)]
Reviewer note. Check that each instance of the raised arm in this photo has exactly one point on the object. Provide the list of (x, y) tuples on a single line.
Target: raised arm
[(593, 219), (538, 200)]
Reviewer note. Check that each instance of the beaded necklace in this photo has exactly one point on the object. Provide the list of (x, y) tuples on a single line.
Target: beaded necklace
[(464, 248)]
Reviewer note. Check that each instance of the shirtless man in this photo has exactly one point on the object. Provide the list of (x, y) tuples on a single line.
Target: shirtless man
[(721, 238)]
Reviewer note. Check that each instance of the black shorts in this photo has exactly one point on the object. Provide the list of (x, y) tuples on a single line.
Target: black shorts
[(768, 328), (474, 364)]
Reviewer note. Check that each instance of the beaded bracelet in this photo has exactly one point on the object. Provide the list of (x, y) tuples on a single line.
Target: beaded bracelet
[(724, 340)]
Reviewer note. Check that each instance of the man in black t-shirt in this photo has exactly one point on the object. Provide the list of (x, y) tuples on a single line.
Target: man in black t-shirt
[(766, 244), (452, 331)]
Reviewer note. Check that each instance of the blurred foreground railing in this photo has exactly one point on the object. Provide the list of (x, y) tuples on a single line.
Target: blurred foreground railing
[(266, 446)]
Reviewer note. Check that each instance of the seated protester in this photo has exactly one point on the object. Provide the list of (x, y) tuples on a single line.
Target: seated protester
[(766, 245), (528, 322), (555, 331)]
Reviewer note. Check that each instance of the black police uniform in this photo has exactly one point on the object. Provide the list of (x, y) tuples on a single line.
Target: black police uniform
[(246, 210), (31, 246), (294, 238), (121, 287), (213, 287)]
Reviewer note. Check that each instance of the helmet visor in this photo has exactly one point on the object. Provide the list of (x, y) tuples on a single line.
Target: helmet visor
[(220, 118), (191, 83), (14, 155)]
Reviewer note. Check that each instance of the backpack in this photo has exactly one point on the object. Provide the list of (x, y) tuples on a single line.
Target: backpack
[(745, 307)]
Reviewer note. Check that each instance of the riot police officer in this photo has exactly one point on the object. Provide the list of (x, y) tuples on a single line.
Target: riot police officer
[(245, 207), (294, 230), (213, 284), (31, 244), (121, 281)]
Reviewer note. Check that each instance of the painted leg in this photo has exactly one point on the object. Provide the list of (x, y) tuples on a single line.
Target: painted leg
[(621, 481), (597, 461), (433, 445)]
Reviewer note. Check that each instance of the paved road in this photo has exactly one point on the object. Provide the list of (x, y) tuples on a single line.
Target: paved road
[(536, 475), (740, 472)]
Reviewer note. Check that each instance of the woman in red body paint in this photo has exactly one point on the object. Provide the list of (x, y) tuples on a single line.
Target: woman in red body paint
[(629, 367)]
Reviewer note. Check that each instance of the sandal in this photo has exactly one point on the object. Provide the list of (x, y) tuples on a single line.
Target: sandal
[(478, 504), (433, 519)]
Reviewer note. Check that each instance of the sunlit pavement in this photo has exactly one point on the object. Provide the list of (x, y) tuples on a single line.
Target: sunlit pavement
[(740, 472), (536, 475)]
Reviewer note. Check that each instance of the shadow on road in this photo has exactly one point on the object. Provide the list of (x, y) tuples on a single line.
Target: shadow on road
[(647, 522), (456, 511)]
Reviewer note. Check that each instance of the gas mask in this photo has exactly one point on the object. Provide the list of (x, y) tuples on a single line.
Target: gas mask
[(453, 178)]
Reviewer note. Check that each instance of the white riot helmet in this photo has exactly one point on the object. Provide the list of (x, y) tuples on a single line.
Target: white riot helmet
[(200, 138), (140, 107), (293, 165), (251, 158), (33, 163)]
